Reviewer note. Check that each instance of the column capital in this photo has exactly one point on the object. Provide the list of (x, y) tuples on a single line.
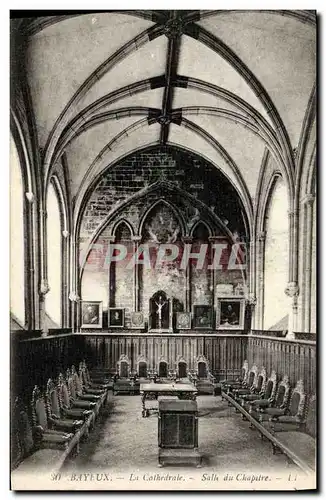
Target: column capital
[(44, 288), (65, 233), (73, 296), (261, 236), (292, 289), (30, 197), (187, 239), (308, 199), (251, 299), (111, 239), (136, 238), (292, 212)]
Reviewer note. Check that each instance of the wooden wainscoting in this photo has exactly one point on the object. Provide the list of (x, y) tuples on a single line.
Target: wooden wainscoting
[(224, 353), (294, 358)]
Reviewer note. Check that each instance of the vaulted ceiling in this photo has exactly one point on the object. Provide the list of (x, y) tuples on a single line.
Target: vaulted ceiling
[(225, 84)]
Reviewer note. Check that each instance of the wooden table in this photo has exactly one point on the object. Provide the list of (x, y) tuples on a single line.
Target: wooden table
[(153, 391)]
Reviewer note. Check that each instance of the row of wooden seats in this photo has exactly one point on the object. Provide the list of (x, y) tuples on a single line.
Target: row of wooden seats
[(59, 417), (286, 413)]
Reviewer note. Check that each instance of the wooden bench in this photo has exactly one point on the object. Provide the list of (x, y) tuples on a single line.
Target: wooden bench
[(278, 441)]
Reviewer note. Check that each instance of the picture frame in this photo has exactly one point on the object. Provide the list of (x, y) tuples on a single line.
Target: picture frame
[(202, 317), (116, 317), (137, 320), (91, 314), (230, 313), (183, 320)]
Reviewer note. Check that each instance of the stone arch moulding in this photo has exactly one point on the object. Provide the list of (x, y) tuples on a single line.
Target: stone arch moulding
[(204, 223), (174, 209), (223, 50), (118, 223), (128, 48), (141, 194)]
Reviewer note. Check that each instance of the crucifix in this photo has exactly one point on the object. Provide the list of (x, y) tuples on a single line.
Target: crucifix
[(160, 306)]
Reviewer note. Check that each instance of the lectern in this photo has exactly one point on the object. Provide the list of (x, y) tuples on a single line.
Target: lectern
[(178, 433)]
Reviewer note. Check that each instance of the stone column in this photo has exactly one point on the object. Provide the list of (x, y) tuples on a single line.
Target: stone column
[(307, 267), (292, 291), (213, 240), (111, 287), (65, 275), (136, 240), (30, 285), (44, 286), (75, 314), (260, 256), (188, 240)]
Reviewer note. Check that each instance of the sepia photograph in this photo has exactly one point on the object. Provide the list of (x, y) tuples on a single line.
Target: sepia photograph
[(163, 250)]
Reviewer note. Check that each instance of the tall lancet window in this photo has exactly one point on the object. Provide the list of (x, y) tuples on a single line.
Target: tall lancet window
[(17, 246), (54, 255), (276, 262)]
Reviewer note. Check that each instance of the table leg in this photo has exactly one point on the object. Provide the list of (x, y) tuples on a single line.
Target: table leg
[(143, 399)]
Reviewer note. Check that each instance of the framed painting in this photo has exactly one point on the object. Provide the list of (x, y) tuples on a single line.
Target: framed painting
[(91, 314), (203, 316), (230, 314), (183, 320), (116, 317), (137, 320)]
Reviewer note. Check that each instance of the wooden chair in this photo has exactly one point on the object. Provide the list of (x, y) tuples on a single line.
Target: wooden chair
[(267, 398), (205, 381), (294, 415), (182, 371), (123, 367), (142, 368), (68, 410), (258, 389), (248, 387), (163, 369), (81, 391), (56, 419), (43, 436), (75, 400), (25, 457), (262, 413), (239, 382), (103, 383), (300, 436)]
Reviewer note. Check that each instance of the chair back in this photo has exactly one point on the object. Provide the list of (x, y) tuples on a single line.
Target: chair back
[(297, 401), (52, 400), (63, 392), (71, 386), (21, 442), (253, 375), (39, 411), (283, 393), (163, 369), (245, 371), (260, 381), (182, 369), (271, 386), (142, 369), (311, 417), (123, 366), (77, 380)]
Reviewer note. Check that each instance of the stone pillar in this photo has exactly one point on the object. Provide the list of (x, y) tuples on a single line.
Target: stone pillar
[(260, 259), (75, 313), (292, 291), (307, 267), (213, 240), (111, 285), (251, 302), (44, 289), (136, 240), (65, 277), (30, 288), (44, 286), (188, 240)]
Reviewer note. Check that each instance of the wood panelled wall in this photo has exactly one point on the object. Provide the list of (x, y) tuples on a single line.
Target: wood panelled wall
[(223, 352), (33, 361), (297, 359)]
